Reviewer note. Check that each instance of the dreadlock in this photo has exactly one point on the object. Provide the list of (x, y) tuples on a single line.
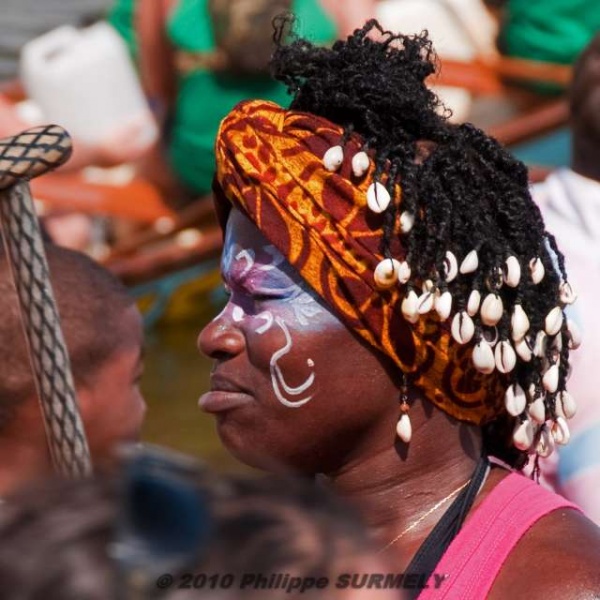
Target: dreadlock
[(463, 189)]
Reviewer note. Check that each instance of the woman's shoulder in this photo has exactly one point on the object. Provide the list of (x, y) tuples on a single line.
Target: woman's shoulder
[(558, 557)]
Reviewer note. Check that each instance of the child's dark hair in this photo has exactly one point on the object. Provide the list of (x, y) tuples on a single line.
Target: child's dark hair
[(463, 189)]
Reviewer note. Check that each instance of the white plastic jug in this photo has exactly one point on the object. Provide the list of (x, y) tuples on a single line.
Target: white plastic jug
[(85, 81)]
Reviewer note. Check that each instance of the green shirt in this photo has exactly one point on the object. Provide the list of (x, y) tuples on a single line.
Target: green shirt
[(204, 98)]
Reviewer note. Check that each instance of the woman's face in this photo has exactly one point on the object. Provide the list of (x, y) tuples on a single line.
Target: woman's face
[(290, 384)]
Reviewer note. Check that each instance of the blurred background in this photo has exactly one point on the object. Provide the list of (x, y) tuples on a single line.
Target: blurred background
[(142, 86)]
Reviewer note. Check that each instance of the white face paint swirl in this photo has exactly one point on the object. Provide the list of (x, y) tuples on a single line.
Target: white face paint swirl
[(277, 378)]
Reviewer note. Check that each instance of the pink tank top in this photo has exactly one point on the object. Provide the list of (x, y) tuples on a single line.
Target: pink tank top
[(476, 555)]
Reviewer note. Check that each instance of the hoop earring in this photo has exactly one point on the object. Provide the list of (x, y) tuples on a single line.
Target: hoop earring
[(404, 427)]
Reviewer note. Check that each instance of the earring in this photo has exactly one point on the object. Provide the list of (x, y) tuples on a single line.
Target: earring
[(404, 428)]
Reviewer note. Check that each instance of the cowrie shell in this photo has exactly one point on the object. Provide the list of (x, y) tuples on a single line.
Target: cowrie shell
[(560, 431), (443, 305), (512, 271), (333, 158), (410, 307), (386, 273), (523, 349), (378, 198), (550, 379), (573, 335), (473, 303), (523, 435), (537, 270), (490, 335), (537, 410), (505, 357), (515, 400), (425, 302), (545, 445), (404, 428), (491, 309), (541, 344), (407, 220), (554, 321), (469, 263), (462, 328), (483, 358), (566, 293), (450, 266), (519, 323), (404, 272), (360, 163), (427, 286), (565, 406)]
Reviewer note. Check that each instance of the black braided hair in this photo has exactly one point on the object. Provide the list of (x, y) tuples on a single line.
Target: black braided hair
[(464, 190)]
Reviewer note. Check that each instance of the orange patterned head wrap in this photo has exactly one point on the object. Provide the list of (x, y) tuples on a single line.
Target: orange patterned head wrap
[(270, 166)]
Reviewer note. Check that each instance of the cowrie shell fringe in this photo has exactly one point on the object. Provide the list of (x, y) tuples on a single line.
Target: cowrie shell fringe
[(378, 198), (333, 158), (491, 309), (566, 293), (550, 379), (523, 435), (425, 302), (483, 358), (386, 273), (565, 406), (512, 273), (407, 220), (473, 303), (505, 357), (360, 163), (524, 350), (450, 266), (515, 400), (404, 428), (560, 431), (537, 270), (541, 344), (545, 445), (410, 307), (554, 321), (519, 323), (462, 328), (537, 410), (470, 263), (443, 305)]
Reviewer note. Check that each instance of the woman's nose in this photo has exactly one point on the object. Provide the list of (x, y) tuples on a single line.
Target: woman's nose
[(221, 338)]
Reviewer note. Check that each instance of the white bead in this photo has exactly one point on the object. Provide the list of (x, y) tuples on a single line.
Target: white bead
[(519, 323), (443, 305), (386, 273), (574, 335), (554, 321), (545, 445), (473, 303), (410, 307), (523, 435), (523, 349), (450, 266), (560, 431), (333, 158), (536, 268), (360, 164), (537, 410), (483, 358), (515, 400), (407, 220), (378, 198), (505, 356), (512, 274), (491, 309), (541, 344), (463, 328), (550, 379), (404, 428), (425, 302), (565, 405), (470, 263)]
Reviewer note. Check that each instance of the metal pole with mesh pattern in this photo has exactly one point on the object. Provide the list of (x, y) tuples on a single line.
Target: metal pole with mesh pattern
[(22, 157)]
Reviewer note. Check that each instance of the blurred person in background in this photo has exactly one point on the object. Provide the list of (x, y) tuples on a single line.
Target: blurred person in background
[(103, 333), (165, 530), (570, 203)]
